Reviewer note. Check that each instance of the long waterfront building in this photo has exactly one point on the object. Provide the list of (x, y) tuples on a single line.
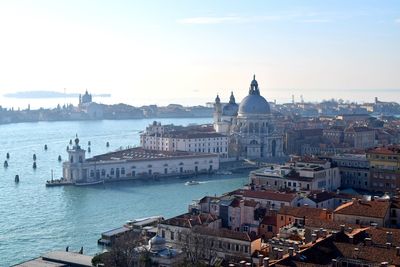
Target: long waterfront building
[(135, 163)]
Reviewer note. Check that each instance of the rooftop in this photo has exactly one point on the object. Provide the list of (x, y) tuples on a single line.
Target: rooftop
[(139, 154), (304, 212), (375, 208), (270, 195), (188, 220)]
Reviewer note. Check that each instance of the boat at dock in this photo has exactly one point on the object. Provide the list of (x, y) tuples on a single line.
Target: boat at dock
[(223, 173)]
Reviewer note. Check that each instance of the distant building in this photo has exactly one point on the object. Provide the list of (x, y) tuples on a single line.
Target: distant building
[(85, 99), (250, 126), (384, 168), (177, 138), (354, 170)]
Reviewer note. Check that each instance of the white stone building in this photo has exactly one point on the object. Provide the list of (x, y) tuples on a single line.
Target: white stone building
[(135, 163), (178, 138), (250, 126)]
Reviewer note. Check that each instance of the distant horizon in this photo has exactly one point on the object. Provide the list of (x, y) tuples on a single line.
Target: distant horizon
[(354, 95)]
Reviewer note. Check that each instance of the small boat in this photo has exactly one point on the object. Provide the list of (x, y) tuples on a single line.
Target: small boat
[(5, 164), (59, 158), (45, 147), (8, 155), (192, 183), (89, 143), (88, 183), (16, 178), (34, 165), (34, 157), (107, 144)]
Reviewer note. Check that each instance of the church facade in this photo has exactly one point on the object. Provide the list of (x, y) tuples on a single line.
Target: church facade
[(249, 125)]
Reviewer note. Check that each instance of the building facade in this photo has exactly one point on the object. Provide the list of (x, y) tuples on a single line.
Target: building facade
[(134, 163), (249, 125), (384, 168), (177, 138)]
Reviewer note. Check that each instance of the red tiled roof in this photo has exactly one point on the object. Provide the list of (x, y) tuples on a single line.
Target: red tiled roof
[(300, 212), (375, 209), (379, 235)]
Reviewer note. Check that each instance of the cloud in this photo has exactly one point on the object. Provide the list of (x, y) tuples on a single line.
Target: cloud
[(316, 20), (228, 19)]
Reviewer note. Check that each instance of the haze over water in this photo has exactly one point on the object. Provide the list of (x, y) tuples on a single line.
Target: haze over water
[(280, 95), (36, 219)]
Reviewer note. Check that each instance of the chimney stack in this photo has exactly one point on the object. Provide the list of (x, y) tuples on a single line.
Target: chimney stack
[(266, 262), (384, 264), (368, 241), (260, 260), (389, 237), (397, 251), (280, 253), (313, 238), (291, 251), (342, 226), (334, 263)]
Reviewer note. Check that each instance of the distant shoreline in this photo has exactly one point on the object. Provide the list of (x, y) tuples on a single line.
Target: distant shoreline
[(46, 94)]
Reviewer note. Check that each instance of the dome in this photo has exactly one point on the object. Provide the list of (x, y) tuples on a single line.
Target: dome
[(230, 109), (157, 243), (254, 104)]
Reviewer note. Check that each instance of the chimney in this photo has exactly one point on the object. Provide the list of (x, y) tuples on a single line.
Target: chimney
[(397, 251), (368, 241), (291, 251), (355, 253), (384, 264), (389, 237), (351, 240), (280, 253), (231, 265), (342, 226), (260, 260), (334, 263), (388, 245), (266, 262), (313, 238), (275, 250), (242, 263), (248, 264)]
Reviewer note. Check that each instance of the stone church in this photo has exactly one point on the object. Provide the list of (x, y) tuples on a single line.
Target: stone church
[(249, 125)]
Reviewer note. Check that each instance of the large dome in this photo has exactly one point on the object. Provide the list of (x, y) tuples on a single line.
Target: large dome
[(254, 103)]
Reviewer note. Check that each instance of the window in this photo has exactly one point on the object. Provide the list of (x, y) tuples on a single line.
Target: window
[(172, 235), (269, 228), (112, 171), (122, 170), (163, 234)]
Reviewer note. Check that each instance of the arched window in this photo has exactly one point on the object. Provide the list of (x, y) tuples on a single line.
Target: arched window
[(103, 172), (122, 170), (253, 142), (112, 171), (91, 173)]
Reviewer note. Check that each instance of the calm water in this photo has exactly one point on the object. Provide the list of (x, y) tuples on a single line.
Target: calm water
[(35, 219)]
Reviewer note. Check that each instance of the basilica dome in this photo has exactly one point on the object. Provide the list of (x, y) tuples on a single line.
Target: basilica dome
[(254, 103)]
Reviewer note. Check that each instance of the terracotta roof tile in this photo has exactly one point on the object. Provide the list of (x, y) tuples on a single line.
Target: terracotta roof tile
[(375, 209)]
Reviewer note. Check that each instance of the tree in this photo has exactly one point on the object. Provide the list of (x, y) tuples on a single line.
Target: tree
[(128, 250)]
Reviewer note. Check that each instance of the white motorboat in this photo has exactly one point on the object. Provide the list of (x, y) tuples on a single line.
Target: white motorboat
[(192, 183)]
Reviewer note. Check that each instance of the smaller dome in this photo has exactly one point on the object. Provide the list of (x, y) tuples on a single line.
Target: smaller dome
[(230, 109), (157, 243)]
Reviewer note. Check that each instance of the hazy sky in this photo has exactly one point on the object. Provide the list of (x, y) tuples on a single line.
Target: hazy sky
[(186, 51)]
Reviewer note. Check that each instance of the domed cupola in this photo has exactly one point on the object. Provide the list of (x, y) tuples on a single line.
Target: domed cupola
[(230, 109), (254, 103)]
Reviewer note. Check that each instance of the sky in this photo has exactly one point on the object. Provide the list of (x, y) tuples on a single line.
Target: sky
[(160, 52)]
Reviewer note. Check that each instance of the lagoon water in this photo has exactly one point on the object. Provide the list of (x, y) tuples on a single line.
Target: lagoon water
[(35, 219)]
